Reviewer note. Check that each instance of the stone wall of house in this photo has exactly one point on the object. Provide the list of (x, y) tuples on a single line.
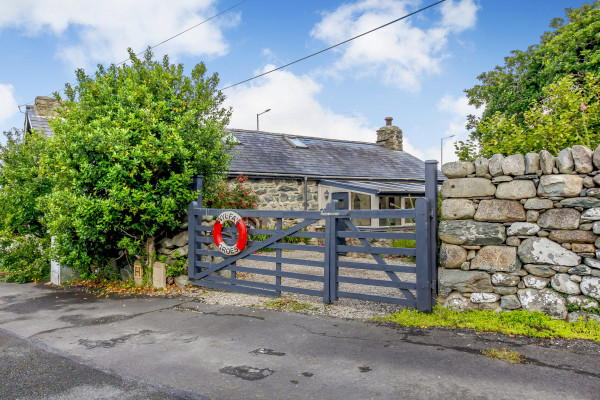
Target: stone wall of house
[(283, 194), (522, 233)]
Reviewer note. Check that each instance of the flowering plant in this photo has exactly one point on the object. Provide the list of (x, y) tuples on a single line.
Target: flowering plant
[(231, 195)]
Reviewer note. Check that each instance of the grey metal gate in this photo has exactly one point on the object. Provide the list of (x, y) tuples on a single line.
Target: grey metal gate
[(320, 275)]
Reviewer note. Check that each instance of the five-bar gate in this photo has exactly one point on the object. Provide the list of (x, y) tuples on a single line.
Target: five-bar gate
[(280, 260)]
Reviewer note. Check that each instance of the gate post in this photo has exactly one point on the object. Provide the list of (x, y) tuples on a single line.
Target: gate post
[(431, 193), (424, 278), (192, 223), (330, 260)]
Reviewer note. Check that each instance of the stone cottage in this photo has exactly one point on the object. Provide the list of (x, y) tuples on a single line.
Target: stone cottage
[(291, 172)]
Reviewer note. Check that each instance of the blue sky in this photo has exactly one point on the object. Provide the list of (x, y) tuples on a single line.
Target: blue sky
[(414, 71)]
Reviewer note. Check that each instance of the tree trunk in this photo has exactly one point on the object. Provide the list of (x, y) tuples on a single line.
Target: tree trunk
[(150, 251)]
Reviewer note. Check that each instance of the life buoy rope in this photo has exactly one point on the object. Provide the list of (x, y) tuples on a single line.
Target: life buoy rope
[(242, 233)]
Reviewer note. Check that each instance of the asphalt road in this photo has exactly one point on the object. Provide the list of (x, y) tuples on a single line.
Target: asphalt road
[(118, 347)]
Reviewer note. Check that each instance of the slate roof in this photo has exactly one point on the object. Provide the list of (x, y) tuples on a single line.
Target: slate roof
[(265, 153), (271, 153), (37, 122)]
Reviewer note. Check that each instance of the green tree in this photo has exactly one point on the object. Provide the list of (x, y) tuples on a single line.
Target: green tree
[(23, 238), (570, 51), (125, 148)]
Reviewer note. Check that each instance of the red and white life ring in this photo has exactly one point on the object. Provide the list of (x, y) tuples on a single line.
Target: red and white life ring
[(242, 233)]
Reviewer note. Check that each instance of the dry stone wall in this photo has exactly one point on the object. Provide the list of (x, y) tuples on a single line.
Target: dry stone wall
[(283, 194), (522, 232)]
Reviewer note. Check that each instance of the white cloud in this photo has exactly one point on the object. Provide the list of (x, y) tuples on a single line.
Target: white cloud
[(457, 106), (105, 29), (294, 109), (8, 104), (400, 53), (458, 109)]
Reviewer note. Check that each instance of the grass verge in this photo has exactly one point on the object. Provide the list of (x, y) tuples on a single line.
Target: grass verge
[(513, 357), (287, 304), (519, 322)]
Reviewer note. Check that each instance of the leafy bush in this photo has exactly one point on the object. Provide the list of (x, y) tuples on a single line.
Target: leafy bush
[(127, 143), (178, 265), (23, 259), (24, 242)]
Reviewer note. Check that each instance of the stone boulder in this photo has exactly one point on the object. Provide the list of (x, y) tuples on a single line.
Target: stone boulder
[(467, 187), (514, 165), (516, 190), (458, 169), (596, 157), (538, 204), (543, 251), (495, 165), (535, 282), (543, 271), (471, 233), (581, 270), (465, 281), (182, 281), (560, 185), (500, 279), (590, 286), (564, 284), (565, 236), (522, 229), (457, 302), (532, 163), (496, 259), (592, 263), (544, 300), (593, 192), (500, 211), (482, 166), (478, 298), (457, 209), (582, 157), (452, 256), (593, 214), (559, 218), (585, 202), (180, 239), (577, 315), (582, 301), (510, 302), (547, 162), (564, 161)]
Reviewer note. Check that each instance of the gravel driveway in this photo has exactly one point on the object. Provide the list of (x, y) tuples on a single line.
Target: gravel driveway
[(343, 308)]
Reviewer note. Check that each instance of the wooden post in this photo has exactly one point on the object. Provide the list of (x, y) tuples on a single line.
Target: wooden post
[(193, 221), (431, 193), (422, 224)]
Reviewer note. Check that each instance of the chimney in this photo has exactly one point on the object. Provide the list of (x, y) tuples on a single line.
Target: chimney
[(390, 136), (46, 106)]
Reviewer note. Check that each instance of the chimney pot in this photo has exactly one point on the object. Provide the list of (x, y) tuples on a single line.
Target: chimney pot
[(388, 121)]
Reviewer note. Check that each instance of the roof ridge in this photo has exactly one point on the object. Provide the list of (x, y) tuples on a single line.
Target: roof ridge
[(233, 130)]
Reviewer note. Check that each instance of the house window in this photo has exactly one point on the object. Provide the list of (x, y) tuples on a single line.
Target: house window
[(392, 203), (361, 201)]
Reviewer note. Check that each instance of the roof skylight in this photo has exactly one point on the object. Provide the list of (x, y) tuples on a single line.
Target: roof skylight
[(297, 143)]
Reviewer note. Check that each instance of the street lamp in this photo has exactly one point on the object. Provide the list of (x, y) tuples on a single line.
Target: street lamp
[(267, 110), (442, 148)]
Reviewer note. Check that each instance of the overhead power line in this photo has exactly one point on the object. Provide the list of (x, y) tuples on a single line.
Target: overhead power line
[(166, 40), (335, 45)]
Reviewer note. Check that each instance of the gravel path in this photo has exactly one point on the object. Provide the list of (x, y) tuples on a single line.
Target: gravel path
[(343, 308)]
